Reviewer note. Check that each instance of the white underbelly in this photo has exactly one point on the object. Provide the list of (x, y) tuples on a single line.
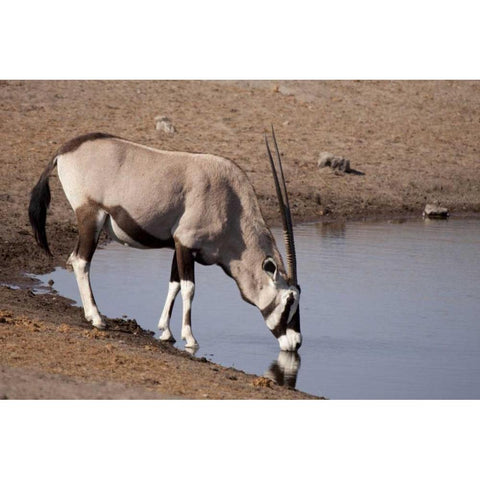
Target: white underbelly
[(117, 234)]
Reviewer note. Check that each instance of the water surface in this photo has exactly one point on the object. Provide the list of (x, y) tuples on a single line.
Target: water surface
[(388, 310)]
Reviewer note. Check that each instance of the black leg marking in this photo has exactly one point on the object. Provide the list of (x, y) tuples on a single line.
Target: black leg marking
[(174, 277), (89, 228), (90, 222), (186, 272)]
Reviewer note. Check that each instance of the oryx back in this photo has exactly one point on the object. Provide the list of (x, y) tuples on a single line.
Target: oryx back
[(149, 194)]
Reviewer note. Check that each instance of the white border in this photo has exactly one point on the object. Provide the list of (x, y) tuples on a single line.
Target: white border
[(251, 39), (217, 40), (239, 439)]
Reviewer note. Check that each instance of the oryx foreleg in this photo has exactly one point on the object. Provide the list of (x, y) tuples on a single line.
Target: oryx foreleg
[(90, 224), (173, 289), (186, 263)]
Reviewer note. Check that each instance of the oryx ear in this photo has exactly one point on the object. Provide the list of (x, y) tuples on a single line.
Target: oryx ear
[(270, 267)]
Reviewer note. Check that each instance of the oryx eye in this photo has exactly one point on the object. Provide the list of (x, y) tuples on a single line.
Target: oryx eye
[(270, 267)]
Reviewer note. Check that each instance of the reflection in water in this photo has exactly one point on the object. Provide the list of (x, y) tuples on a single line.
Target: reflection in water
[(331, 230), (284, 369)]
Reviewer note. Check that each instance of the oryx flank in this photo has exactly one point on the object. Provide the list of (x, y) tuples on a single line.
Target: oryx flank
[(202, 206)]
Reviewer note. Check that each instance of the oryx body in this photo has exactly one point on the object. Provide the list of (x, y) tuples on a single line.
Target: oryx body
[(202, 206)]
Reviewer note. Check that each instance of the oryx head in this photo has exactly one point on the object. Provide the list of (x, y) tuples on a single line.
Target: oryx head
[(282, 313)]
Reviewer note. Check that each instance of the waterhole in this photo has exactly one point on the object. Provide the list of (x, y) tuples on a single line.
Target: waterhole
[(388, 310)]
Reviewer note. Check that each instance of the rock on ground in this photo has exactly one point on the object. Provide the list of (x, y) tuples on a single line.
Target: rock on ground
[(435, 211), (164, 124)]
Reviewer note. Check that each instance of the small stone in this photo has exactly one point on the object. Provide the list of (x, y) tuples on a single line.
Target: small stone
[(435, 211), (164, 124), (324, 211), (63, 328), (262, 382)]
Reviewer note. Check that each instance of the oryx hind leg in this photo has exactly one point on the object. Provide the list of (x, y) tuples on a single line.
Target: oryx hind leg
[(90, 223), (173, 289), (186, 272)]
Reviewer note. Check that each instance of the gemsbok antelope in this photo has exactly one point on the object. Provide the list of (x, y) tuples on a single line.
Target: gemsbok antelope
[(202, 206)]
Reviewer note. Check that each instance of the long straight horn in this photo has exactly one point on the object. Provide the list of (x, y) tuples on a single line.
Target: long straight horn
[(282, 195)]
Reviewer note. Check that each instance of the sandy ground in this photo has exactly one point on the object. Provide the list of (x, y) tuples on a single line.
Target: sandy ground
[(414, 142)]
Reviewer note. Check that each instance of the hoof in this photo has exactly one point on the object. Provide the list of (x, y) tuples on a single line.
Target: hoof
[(190, 341), (100, 326), (166, 336), (192, 350), (98, 323)]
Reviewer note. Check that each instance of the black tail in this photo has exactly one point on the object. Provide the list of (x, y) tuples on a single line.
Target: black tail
[(39, 202)]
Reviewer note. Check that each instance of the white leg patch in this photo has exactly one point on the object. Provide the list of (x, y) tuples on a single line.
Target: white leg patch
[(188, 291), (82, 274), (164, 323), (187, 335)]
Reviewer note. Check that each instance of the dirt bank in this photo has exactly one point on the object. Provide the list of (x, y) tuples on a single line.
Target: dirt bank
[(410, 143)]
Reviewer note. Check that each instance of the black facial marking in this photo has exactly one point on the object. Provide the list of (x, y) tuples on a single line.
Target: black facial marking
[(295, 321), (278, 331), (269, 308), (281, 328), (286, 311)]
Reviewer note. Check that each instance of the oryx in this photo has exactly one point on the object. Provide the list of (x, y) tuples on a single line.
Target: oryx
[(202, 206)]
